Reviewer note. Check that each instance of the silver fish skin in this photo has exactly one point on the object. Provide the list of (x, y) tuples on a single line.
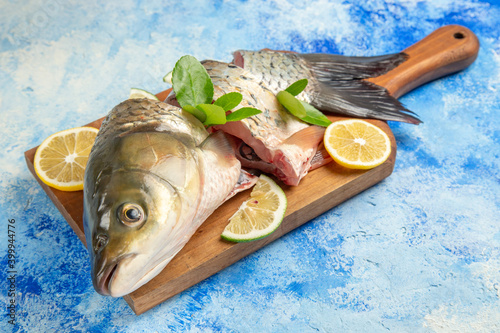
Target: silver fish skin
[(153, 177), (335, 83), (275, 135)]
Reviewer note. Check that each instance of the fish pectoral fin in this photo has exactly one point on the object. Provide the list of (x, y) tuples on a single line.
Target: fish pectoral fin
[(306, 138), (219, 144), (245, 181)]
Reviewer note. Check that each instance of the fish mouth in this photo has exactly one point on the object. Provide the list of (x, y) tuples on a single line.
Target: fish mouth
[(104, 282), (111, 281)]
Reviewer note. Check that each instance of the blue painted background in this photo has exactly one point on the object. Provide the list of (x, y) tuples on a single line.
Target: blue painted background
[(418, 252)]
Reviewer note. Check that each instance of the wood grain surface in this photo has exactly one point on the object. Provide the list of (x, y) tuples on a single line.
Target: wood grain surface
[(446, 50)]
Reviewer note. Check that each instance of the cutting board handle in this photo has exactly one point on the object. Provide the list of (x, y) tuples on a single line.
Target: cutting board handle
[(447, 50)]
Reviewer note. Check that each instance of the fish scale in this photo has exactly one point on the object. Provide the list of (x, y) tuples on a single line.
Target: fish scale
[(229, 78), (138, 113), (278, 72)]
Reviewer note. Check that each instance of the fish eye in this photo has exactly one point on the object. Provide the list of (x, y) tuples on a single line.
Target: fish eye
[(131, 214)]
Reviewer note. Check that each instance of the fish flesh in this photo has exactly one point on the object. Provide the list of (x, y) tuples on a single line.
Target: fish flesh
[(250, 160), (284, 144), (335, 83), (275, 135), (153, 177)]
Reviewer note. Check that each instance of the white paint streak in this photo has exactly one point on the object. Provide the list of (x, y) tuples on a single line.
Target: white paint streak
[(456, 318), (488, 273)]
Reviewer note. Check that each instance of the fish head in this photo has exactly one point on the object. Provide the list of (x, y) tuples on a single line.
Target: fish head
[(133, 208)]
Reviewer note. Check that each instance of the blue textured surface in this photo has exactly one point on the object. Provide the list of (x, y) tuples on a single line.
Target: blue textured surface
[(419, 252)]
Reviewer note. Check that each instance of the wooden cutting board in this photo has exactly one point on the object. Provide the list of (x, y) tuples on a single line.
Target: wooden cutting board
[(446, 50)]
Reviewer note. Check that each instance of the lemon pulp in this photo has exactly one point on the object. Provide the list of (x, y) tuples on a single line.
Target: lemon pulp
[(258, 216), (357, 144), (61, 158), (136, 93)]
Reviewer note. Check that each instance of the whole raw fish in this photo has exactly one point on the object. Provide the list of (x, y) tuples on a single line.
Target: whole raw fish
[(336, 83), (153, 176)]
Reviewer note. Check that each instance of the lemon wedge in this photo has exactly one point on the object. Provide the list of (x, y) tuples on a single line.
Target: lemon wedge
[(168, 77), (357, 144), (260, 215), (136, 93), (61, 158)]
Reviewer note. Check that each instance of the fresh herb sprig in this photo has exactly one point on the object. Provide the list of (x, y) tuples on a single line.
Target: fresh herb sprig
[(194, 91), (301, 109)]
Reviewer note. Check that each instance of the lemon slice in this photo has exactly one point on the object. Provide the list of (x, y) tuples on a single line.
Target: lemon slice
[(61, 158), (357, 144), (140, 93), (260, 215)]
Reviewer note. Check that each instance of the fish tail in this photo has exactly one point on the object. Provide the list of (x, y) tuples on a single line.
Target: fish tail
[(342, 89), (342, 68)]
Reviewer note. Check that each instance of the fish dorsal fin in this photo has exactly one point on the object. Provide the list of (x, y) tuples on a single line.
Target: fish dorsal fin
[(218, 143), (306, 138)]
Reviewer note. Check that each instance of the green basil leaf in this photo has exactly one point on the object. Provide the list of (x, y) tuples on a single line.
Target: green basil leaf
[(229, 101), (191, 83), (297, 87), (195, 112), (215, 114), (314, 116), (292, 104), (242, 114)]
